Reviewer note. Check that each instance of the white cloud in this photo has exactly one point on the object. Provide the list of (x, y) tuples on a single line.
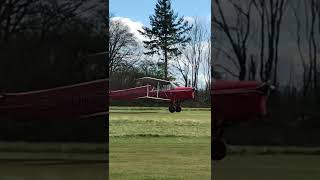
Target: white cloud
[(134, 26), (189, 19), (205, 20)]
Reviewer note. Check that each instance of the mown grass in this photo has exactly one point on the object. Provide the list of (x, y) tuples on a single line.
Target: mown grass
[(157, 123), (266, 167), (151, 143), (27, 147), (273, 150), (47, 166)]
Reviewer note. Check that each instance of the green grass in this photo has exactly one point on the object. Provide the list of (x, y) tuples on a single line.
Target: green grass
[(159, 123), (273, 150), (266, 167), (52, 161), (28, 147), (52, 166), (153, 144)]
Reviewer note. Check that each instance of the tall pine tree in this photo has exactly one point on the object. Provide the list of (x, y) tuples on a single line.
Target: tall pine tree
[(167, 34)]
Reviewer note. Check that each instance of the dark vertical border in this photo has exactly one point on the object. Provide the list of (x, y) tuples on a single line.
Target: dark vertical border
[(107, 75), (213, 122)]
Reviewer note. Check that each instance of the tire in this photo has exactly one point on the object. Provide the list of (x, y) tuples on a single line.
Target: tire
[(178, 109), (172, 109), (219, 150)]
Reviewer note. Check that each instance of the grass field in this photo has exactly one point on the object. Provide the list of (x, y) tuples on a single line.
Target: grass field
[(52, 166), (53, 161), (267, 167), (153, 144)]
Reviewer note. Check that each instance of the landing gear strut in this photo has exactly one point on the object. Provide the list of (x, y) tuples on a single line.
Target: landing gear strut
[(219, 148), (175, 107), (178, 107)]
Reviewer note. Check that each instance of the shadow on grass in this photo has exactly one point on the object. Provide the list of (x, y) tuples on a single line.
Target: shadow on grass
[(50, 162)]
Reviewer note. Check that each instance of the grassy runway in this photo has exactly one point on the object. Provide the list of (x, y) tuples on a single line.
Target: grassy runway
[(52, 166), (154, 144), (267, 167), (52, 161)]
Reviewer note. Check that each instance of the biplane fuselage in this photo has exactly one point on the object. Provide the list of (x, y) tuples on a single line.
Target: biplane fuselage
[(239, 100), (170, 95), (156, 89), (235, 101), (62, 103), (180, 93)]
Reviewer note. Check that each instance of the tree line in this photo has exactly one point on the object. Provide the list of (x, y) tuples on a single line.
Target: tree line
[(47, 43), (248, 35), (274, 41), (172, 49)]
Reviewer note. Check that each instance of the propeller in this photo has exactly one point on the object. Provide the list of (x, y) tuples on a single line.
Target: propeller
[(2, 95), (268, 88), (195, 91)]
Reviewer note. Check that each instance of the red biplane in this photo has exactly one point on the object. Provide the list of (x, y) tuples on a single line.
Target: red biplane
[(156, 89), (87, 99), (235, 101), (67, 102)]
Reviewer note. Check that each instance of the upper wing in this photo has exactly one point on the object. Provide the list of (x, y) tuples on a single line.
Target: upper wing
[(130, 93), (153, 81)]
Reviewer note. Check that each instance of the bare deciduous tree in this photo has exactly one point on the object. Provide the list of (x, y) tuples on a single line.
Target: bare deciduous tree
[(307, 21), (54, 14), (252, 68), (207, 66), (12, 16), (195, 53), (198, 45), (183, 66), (122, 45), (237, 33), (271, 13)]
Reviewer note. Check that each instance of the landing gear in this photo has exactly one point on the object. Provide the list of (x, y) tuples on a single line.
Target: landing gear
[(175, 107), (219, 147), (178, 108), (172, 109), (218, 150)]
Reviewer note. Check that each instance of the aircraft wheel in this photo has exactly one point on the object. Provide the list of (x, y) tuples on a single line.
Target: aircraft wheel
[(178, 109), (219, 150), (172, 109)]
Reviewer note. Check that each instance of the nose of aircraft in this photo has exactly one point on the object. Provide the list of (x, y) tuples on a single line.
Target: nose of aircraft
[(267, 88), (194, 91)]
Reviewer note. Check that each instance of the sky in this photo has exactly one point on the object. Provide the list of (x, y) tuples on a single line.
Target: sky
[(135, 14), (140, 10)]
